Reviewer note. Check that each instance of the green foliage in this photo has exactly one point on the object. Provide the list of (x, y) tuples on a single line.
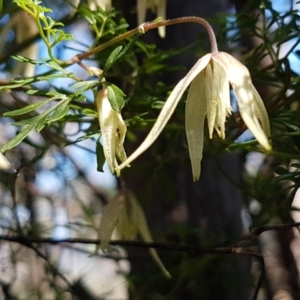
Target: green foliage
[(53, 114)]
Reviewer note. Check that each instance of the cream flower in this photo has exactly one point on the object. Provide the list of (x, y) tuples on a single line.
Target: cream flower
[(209, 96), (126, 215), (113, 131), (158, 6), (104, 4)]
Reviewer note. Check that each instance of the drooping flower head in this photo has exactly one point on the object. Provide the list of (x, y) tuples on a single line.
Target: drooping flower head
[(113, 131), (209, 97)]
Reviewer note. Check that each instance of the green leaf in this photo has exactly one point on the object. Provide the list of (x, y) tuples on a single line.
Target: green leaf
[(27, 121), (52, 76), (112, 58), (59, 113), (158, 104), (54, 65), (27, 109), (100, 156), (83, 138), (41, 123), (296, 139), (128, 46), (115, 97), (17, 83), (90, 112), (86, 13), (18, 138), (280, 170), (84, 85), (289, 201), (1, 5), (27, 60)]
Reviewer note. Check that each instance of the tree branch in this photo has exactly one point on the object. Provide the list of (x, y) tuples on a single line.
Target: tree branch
[(220, 248), (252, 250)]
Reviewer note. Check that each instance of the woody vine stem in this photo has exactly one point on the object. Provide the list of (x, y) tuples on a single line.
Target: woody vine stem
[(148, 26)]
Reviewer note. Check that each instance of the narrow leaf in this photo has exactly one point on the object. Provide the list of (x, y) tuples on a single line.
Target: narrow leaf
[(85, 85), (280, 170), (59, 113), (115, 97), (127, 47), (54, 65), (27, 121), (18, 138), (112, 58), (27, 109), (100, 156)]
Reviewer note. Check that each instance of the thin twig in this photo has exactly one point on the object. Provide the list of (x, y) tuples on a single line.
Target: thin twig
[(255, 232), (252, 250)]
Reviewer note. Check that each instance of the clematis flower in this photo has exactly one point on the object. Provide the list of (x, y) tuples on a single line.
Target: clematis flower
[(158, 6), (113, 131), (209, 97)]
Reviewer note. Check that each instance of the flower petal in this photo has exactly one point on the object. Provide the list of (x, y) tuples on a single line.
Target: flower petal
[(109, 219), (223, 98), (139, 218), (141, 11), (108, 123), (218, 106), (210, 90), (251, 106), (168, 109), (5, 164), (195, 112), (120, 137), (261, 112), (161, 13)]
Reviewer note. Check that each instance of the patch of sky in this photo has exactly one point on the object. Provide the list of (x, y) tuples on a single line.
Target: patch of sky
[(60, 220), (232, 30), (87, 162), (283, 7), (4, 20), (49, 182), (65, 166)]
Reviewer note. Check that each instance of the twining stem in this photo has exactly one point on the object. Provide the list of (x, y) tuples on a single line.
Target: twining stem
[(152, 25)]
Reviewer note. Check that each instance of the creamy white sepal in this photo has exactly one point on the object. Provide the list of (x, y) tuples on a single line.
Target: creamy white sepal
[(195, 112), (113, 131), (168, 109), (251, 106)]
